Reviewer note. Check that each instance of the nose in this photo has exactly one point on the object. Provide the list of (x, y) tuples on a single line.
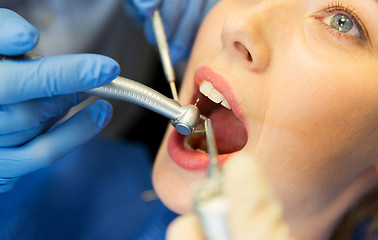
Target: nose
[(244, 40)]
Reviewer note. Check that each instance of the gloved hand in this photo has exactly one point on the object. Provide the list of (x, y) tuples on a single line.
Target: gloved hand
[(34, 94), (181, 19), (254, 213)]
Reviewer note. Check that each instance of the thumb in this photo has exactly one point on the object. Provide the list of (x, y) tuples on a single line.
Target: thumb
[(186, 227), (254, 212), (17, 36)]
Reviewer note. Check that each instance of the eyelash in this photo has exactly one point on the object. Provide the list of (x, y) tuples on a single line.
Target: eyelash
[(350, 13)]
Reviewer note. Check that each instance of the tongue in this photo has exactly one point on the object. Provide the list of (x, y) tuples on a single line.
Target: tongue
[(230, 133)]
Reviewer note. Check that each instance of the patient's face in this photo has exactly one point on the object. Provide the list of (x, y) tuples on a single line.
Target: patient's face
[(300, 77)]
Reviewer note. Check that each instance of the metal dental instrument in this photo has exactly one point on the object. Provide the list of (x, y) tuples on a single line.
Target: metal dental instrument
[(209, 202), (161, 40), (214, 170), (183, 118)]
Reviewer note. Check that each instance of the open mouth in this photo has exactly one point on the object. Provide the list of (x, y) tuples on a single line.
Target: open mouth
[(217, 102), (230, 133)]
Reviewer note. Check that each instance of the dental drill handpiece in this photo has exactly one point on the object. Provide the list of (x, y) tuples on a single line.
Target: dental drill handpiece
[(183, 118), (210, 204), (163, 47)]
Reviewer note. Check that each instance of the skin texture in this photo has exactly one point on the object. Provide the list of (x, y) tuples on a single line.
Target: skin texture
[(309, 100)]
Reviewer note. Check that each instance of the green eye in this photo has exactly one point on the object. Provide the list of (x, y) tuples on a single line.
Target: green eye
[(342, 23)]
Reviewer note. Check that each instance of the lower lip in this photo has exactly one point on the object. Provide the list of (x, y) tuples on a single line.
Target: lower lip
[(188, 159)]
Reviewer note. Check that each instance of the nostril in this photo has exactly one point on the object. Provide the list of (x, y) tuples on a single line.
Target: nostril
[(243, 50)]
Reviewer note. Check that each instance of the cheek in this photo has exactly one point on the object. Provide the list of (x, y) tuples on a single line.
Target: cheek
[(323, 96), (320, 118), (327, 108)]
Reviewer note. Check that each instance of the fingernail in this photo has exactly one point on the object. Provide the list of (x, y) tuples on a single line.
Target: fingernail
[(93, 69), (100, 113), (109, 70)]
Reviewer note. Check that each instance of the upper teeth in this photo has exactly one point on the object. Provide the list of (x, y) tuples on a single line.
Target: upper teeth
[(207, 89)]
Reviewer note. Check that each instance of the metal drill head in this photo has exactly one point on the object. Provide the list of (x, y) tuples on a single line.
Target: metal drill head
[(187, 121)]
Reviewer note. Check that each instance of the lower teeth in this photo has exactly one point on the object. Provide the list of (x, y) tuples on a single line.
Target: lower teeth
[(200, 150), (187, 146)]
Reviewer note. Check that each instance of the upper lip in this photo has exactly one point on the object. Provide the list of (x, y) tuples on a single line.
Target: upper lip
[(205, 73)]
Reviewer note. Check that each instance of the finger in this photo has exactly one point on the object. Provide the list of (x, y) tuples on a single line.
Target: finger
[(19, 138), (23, 122), (242, 169), (27, 115), (181, 43), (171, 12), (254, 211), (56, 143), (55, 75), (185, 227), (17, 36), (133, 13), (49, 76)]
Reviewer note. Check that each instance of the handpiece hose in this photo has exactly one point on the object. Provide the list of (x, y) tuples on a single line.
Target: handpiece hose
[(185, 118)]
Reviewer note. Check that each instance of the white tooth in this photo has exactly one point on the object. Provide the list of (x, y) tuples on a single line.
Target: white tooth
[(225, 104), (200, 150), (206, 88), (216, 96)]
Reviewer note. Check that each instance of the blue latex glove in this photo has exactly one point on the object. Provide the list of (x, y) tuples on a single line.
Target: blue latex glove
[(34, 94), (181, 19)]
